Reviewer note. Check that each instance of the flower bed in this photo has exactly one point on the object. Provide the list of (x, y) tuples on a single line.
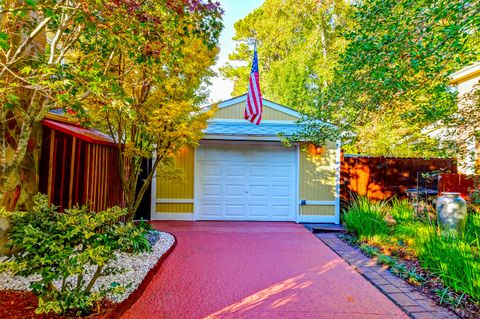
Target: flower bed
[(17, 301), (445, 268)]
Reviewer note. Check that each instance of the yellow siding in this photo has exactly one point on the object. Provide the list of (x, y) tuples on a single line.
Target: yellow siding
[(236, 112), (167, 189), (317, 177), (317, 210), (174, 208)]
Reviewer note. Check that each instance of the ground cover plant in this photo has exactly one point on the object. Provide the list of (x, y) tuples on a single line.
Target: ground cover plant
[(69, 251), (412, 248)]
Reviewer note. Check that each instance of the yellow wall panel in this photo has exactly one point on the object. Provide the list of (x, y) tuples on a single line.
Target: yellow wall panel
[(174, 208), (236, 112), (317, 172), (179, 190), (317, 210)]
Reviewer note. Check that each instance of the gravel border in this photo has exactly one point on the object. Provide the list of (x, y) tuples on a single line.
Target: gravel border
[(133, 269)]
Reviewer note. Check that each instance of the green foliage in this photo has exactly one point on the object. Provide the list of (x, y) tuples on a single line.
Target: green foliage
[(472, 229), (139, 79), (298, 44), (369, 250), (453, 259), (365, 218), (392, 82), (60, 247), (146, 88), (401, 210)]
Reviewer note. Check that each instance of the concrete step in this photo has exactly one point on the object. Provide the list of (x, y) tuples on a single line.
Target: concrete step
[(325, 228)]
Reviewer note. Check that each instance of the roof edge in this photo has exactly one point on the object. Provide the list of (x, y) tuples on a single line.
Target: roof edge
[(466, 72)]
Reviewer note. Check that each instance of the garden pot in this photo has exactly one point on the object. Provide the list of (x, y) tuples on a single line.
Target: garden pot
[(451, 213)]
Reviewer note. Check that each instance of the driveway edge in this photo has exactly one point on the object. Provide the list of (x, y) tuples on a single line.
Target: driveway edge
[(413, 303), (125, 305)]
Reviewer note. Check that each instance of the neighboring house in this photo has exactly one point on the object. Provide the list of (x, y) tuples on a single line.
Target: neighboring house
[(244, 172), (466, 80)]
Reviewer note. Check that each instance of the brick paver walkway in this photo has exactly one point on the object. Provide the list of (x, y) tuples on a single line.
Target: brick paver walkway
[(401, 293)]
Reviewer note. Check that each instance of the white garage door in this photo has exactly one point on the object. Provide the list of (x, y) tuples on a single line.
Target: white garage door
[(246, 182)]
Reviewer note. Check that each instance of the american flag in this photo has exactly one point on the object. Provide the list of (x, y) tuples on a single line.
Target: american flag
[(254, 107)]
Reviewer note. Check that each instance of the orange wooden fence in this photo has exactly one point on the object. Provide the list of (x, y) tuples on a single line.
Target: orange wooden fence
[(383, 177)]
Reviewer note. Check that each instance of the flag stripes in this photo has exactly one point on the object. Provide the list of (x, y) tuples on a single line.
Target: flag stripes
[(254, 106)]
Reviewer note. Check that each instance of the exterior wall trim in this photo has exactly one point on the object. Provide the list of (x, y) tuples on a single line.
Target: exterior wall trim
[(297, 183), (174, 201), (242, 138), (337, 183), (317, 219), (172, 216), (320, 203), (153, 192), (196, 185)]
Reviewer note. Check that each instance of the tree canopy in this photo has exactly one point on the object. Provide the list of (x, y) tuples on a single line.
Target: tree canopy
[(392, 83), (378, 70), (133, 68), (298, 45)]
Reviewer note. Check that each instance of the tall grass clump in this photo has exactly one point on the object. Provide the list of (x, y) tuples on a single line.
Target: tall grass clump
[(366, 218), (472, 230), (401, 210), (452, 258)]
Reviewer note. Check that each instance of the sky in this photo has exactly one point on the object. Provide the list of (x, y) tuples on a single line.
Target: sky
[(234, 11)]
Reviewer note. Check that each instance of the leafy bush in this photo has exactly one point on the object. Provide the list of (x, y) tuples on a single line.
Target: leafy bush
[(454, 259), (366, 218), (61, 247)]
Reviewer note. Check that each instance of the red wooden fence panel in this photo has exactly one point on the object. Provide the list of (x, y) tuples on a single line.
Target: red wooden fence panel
[(459, 183)]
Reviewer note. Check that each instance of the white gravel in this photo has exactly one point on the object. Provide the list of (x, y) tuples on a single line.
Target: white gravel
[(133, 268)]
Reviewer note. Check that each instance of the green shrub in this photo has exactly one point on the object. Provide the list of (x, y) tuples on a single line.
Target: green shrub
[(366, 218), (454, 259), (60, 247)]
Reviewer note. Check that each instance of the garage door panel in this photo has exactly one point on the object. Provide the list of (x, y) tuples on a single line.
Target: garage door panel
[(235, 170), (212, 190), (281, 210), (282, 172), (281, 192), (258, 191), (258, 171), (246, 182), (211, 210), (212, 170), (258, 210), (235, 190), (234, 210)]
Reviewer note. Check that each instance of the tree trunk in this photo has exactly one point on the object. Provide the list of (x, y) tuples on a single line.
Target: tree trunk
[(24, 184)]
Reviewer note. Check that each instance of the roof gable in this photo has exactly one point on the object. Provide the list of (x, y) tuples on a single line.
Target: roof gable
[(233, 109)]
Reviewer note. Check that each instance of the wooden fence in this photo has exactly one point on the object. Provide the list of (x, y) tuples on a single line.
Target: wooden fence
[(459, 183), (383, 177)]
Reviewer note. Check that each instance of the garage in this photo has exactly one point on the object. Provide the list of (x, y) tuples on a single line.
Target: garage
[(246, 181), (246, 172)]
